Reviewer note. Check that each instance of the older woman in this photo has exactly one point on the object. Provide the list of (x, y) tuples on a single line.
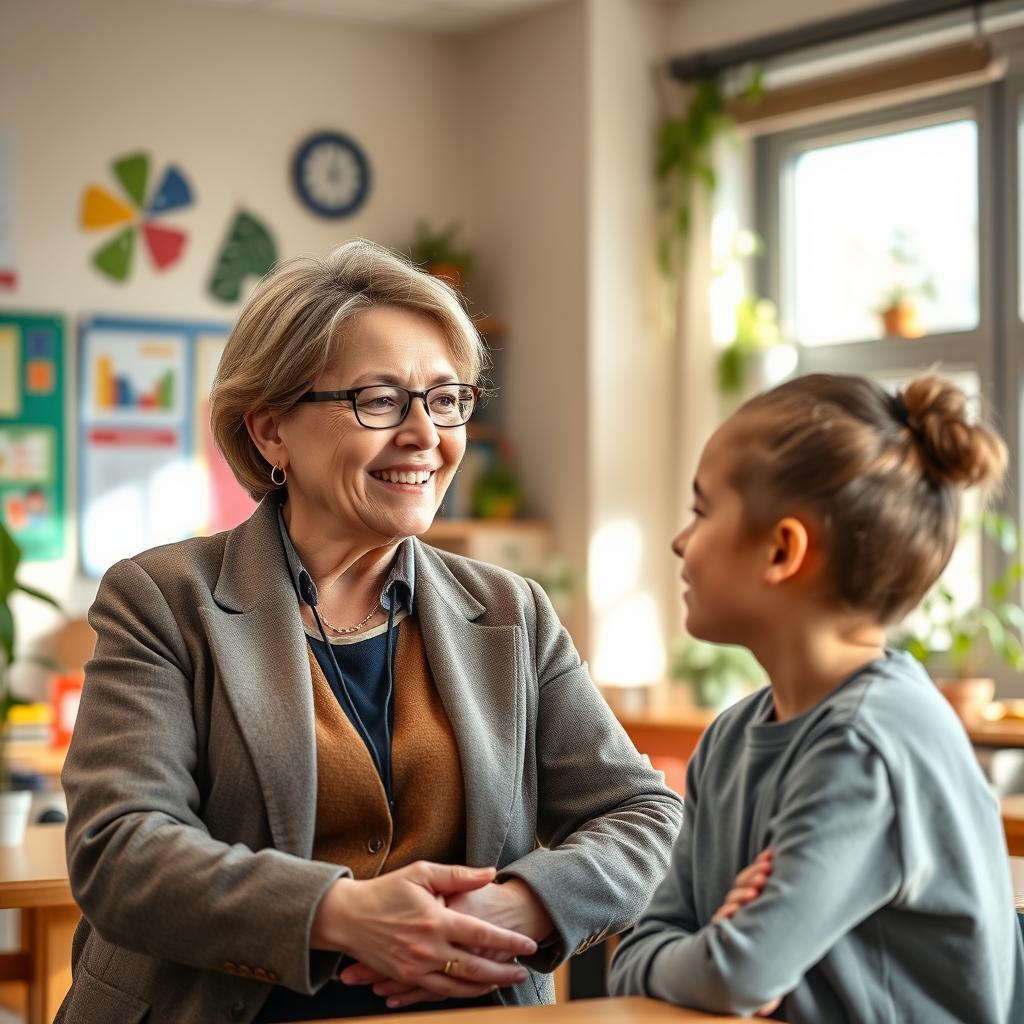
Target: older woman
[(321, 769)]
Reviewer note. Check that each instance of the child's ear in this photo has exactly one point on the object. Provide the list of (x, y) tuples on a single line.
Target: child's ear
[(789, 544)]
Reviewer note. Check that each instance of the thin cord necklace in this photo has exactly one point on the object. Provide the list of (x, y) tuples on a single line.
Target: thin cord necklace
[(351, 629)]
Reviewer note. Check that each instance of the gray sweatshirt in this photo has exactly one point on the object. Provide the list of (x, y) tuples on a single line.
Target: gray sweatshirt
[(890, 896)]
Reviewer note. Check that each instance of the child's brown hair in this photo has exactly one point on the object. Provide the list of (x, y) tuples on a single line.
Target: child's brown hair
[(882, 476)]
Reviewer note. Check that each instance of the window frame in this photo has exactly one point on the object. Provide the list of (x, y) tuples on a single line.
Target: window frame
[(994, 348)]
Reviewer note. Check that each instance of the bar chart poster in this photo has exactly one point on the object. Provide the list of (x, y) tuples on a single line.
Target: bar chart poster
[(140, 481), (32, 433)]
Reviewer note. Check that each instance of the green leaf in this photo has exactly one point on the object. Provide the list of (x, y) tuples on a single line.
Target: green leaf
[(6, 634), (38, 595), (10, 555)]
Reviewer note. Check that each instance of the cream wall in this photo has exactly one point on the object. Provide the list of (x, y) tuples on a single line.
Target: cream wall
[(631, 442), (537, 134), (525, 103), (227, 94), (704, 24)]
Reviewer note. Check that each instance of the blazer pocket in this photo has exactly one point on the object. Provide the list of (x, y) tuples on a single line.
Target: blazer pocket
[(91, 1000)]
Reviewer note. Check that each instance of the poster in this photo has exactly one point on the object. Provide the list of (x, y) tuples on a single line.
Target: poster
[(32, 433), (149, 473)]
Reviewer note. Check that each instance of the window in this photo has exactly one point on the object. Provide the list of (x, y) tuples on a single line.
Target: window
[(915, 207)]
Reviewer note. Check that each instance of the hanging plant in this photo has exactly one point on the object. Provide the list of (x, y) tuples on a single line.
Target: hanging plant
[(686, 159)]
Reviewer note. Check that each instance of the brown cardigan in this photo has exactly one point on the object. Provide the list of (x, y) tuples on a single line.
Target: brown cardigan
[(353, 824)]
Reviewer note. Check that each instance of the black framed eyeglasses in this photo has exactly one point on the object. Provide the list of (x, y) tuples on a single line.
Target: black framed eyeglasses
[(380, 406)]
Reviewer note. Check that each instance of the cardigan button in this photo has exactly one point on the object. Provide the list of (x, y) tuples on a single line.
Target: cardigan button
[(375, 845), (237, 1011)]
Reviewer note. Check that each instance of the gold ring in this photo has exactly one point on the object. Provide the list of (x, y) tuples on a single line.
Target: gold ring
[(449, 967)]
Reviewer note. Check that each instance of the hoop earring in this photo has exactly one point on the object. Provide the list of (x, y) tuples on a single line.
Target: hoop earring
[(273, 476)]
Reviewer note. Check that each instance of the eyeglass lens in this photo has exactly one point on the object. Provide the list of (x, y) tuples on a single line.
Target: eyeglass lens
[(448, 405)]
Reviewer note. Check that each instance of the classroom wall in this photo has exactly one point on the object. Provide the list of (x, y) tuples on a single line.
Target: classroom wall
[(537, 134), (632, 381), (525, 107), (227, 94)]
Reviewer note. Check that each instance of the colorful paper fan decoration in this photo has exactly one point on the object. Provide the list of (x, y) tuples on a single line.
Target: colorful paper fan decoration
[(248, 251), (102, 209)]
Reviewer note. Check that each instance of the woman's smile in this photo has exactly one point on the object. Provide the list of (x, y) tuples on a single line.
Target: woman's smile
[(404, 479)]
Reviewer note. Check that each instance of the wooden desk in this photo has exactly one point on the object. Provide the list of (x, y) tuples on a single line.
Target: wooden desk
[(34, 880), (40, 758), (1013, 823), (633, 1010), (1007, 733)]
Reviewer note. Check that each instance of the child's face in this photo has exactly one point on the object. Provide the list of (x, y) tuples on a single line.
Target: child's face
[(723, 564)]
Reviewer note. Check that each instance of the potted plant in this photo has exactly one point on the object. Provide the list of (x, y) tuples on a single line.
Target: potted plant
[(910, 283), (14, 804), (959, 646), (718, 674), (438, 254), (756, 358)]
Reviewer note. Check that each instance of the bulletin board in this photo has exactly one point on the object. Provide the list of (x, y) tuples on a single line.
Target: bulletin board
[(149, 472), (32, 433)]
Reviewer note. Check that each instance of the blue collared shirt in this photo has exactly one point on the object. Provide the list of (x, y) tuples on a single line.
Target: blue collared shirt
[(364, 685)]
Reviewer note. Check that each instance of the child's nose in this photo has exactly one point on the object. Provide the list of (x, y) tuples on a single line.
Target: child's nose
[(679, 544)]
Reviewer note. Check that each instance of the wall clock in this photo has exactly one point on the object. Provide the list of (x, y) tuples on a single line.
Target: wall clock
[(331, 174)]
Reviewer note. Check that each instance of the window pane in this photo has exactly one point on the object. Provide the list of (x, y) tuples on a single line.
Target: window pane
[(890, 221)]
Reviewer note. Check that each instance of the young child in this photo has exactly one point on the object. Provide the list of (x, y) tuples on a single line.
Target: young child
[(841, 857)]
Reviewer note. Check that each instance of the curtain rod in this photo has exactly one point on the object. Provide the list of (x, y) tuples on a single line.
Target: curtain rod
[(710, 62)]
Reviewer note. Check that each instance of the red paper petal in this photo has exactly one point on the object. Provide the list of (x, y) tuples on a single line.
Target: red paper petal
[(165, 244)]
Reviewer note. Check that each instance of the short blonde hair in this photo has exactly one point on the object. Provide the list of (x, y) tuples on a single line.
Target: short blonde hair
[(291, 326)]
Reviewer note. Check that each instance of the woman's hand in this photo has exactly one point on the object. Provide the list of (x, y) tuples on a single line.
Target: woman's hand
[(398, 925), (747, 887), (510, 905)]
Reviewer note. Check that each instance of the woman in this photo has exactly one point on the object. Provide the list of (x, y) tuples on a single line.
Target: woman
[(314, 746)]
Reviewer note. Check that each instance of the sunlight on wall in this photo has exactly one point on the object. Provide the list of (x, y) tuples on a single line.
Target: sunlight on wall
[(628, 644)]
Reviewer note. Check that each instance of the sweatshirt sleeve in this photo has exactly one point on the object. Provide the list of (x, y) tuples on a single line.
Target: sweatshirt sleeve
[(836, 862)]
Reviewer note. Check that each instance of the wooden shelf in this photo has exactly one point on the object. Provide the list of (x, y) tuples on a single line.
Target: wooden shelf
[(443, 528)]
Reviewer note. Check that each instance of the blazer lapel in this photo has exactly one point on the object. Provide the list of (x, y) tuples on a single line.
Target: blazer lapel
[(478, 676), (259, 649)]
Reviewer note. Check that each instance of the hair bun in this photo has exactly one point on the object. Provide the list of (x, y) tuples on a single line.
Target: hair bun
[(954, 450)]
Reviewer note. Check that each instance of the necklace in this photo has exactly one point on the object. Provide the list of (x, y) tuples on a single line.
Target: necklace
[(351, 629)]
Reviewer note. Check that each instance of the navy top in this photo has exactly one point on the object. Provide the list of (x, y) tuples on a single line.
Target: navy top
[(366, 696)]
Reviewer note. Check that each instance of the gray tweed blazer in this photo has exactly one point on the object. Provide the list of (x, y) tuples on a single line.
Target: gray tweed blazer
[(191, 778)]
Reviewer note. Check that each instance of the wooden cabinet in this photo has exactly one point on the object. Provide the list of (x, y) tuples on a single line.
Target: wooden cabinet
[(522, 545)]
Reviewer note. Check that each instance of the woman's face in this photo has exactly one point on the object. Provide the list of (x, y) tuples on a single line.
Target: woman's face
[(723, 565), (339, 472)]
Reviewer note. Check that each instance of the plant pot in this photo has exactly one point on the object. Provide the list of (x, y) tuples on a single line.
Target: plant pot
[(969, 697), (902, 321), (14, 808), (447, 272)]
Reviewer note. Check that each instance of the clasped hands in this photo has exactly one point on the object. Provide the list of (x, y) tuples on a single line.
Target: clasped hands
[(431, 931)]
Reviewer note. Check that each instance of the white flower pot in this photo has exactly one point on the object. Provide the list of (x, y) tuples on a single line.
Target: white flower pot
[(14, 808)]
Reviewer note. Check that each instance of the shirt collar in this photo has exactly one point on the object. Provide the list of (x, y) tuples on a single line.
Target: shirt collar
[(396, 593)]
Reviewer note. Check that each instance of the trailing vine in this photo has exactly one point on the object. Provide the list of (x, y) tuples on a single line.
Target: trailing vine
[(686, 160)]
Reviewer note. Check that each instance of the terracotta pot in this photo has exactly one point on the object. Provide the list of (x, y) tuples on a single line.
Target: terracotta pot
[(969, 697), (902, 321), (448, 272)]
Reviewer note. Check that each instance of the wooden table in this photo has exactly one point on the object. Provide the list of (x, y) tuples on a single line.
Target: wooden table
[(1013, 823), (34, 880), (633, 1010), (1006, 733)]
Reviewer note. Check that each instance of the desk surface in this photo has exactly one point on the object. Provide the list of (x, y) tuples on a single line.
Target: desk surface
[(1006, 733), (35, 874), (578, 1011)]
